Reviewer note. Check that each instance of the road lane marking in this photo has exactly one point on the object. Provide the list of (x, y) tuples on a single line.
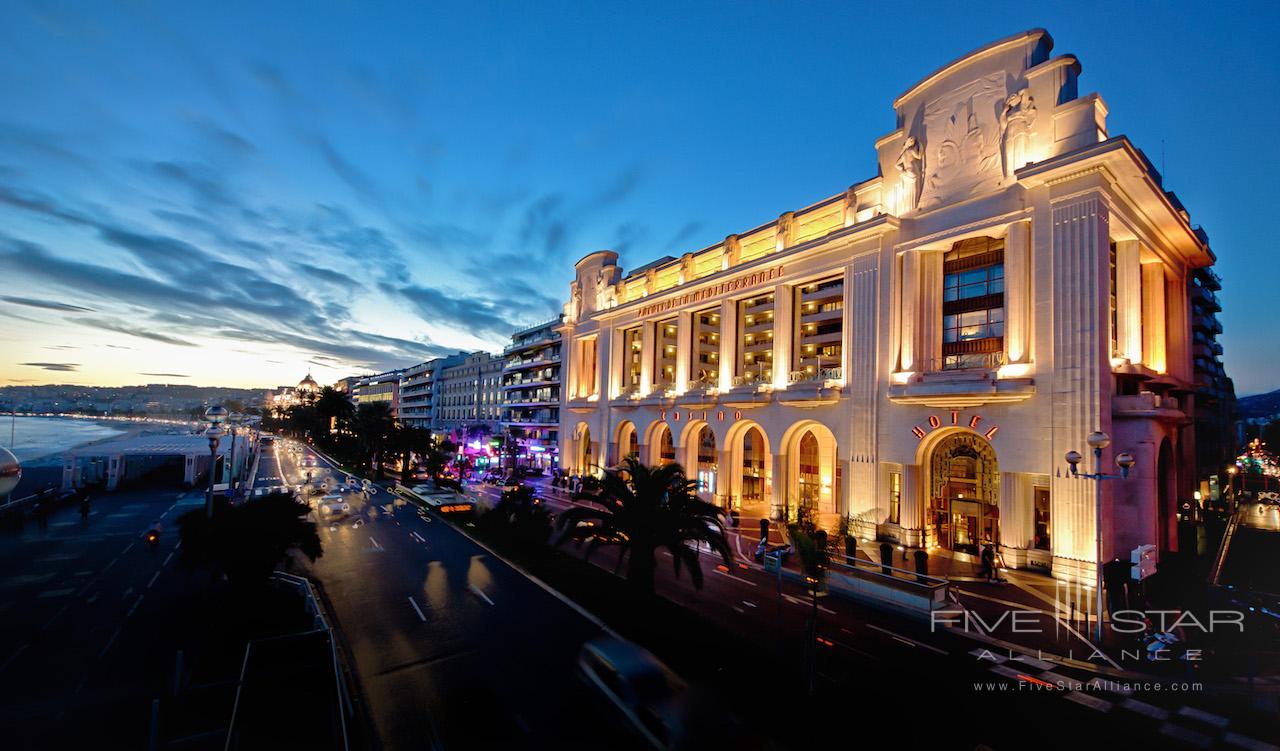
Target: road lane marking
[(167, 558), (806, 603), (136, 603), (735, 578), (126, 594), (110, 641), (421, 617), (154, 576), (908, 640), (56, 592), (417, 537), (374, 542), (480, 594), (127, 548)]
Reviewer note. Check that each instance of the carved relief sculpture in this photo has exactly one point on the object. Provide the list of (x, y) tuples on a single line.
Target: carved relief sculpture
[(910, 167), (686, 268), (732, 251), (1016, 119), (962, 141)]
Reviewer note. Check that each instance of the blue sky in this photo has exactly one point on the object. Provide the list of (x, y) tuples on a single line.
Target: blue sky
[(236, 193)]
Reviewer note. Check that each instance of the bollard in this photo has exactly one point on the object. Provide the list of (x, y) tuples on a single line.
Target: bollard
[(886, 558), (764, 529), (850, 549), (922, 566)]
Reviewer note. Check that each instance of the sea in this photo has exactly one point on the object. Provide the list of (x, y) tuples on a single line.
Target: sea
[(45, 438)]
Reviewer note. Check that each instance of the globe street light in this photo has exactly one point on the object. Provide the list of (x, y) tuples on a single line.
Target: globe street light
[(233, 419), (215, 416), (10, 472), (1097, 441)]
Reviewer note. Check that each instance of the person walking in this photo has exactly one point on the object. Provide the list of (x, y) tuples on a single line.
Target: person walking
[(988, 564)]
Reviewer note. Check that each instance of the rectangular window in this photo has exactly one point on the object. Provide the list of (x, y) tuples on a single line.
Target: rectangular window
[(664, 354), (704, 367), (1041, 540), (632, 348), (973, 304), (755, 340), (819, 315), (895, 498)]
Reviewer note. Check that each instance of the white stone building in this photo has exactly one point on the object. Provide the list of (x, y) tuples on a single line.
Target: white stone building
[(920, 351)]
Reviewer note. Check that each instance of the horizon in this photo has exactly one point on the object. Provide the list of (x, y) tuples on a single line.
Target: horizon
[(189, 201)]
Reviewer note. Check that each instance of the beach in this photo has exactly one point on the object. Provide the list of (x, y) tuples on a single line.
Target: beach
[(40, 442)]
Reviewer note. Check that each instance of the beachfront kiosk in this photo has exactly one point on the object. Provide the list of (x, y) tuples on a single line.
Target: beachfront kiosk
[(186, 457)]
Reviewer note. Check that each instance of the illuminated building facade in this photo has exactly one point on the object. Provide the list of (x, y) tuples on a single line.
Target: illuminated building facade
[(531, 394), (919, 351)]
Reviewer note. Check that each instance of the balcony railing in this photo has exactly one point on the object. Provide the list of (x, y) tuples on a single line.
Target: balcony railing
[(963, 362), (816, 375)]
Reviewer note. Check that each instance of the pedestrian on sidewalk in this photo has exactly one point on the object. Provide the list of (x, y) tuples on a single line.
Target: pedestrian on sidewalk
[(989, 564)]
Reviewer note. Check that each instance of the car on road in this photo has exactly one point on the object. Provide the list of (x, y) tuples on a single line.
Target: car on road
[(645, 692), (333, 504)]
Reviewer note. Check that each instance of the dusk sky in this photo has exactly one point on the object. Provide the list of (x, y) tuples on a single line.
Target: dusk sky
[(237, 193)]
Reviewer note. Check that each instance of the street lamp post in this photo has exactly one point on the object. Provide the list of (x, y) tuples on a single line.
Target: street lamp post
[(215, 416), (1097, 441), (232, 419)]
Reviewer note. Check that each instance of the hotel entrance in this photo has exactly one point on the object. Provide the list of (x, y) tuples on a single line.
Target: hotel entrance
[(964, 511)]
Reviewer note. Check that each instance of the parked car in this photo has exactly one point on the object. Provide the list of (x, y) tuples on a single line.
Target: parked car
[(644, 692)]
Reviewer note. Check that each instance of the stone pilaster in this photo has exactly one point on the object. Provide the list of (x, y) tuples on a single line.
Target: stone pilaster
[(1081, 401), (1017, 293)]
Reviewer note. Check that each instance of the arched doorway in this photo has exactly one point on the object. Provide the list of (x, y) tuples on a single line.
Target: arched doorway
[(813, 478), (964, 493), (662, 447), (586, 456), (705, 466), (755, 454), (628, 443)]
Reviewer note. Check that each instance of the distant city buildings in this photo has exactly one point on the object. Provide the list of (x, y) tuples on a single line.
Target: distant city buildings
[(471, 395), (158, 399), (379, 388), (1215, 395)]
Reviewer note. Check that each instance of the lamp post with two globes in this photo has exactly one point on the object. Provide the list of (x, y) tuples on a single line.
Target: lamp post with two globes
[(215, 415), (1097, 441)]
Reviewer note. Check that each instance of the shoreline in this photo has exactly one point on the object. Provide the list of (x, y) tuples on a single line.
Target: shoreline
[(46, 469)]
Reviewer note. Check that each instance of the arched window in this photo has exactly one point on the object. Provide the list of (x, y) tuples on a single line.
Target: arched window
[(809, 487), (706, 470), (666, 447), (753, 458)]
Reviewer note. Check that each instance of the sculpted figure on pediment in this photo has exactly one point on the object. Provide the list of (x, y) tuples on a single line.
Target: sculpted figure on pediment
[(1016, 119), (575, 300), (910, 166)]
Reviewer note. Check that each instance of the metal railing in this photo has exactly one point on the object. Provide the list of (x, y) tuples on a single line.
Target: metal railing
[(816, 375), (960, 362), (319, 624)]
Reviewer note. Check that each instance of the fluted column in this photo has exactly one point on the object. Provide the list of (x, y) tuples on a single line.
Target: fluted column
[(684, 350), (1081, 403), (929, 312), (783, 334), (909, 313), (647, 346), (728, 342), (1153, 316), (1129, 301), (1017, 293)]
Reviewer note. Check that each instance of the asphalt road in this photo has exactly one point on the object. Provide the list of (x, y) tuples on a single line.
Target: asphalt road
[(452, 647), (82, 611)]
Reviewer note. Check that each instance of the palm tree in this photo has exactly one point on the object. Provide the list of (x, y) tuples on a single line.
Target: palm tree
[(245, 543), (334, 405), (373, 426), (642, 509)]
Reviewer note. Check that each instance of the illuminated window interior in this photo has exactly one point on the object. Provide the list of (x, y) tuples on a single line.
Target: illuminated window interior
[(973, 304), (819, 316), (705, 352), (664, 353), (755, 338)]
